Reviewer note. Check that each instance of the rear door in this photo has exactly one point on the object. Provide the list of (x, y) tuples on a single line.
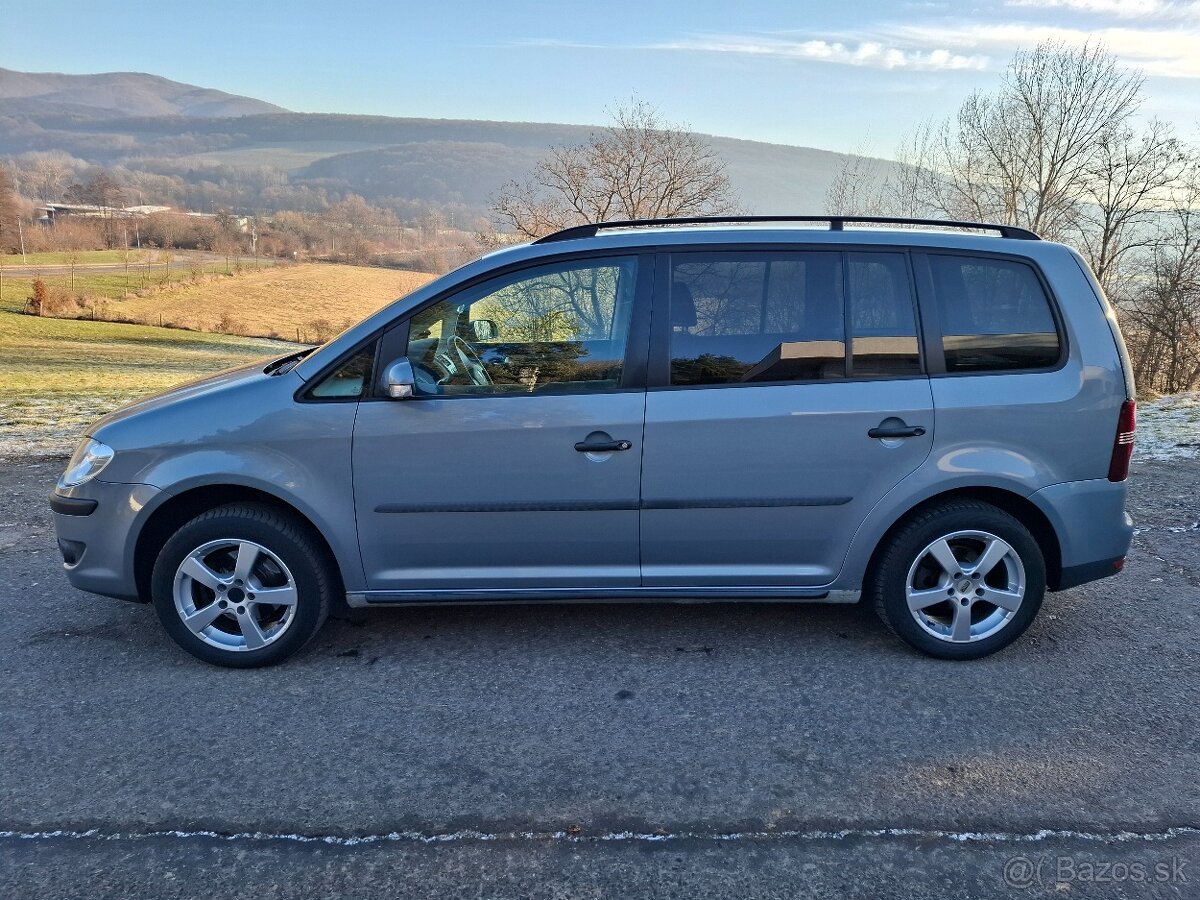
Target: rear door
[(787, 397)]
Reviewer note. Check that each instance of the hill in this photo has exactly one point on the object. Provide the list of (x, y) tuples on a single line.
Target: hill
[(191, 154), (118, 93)]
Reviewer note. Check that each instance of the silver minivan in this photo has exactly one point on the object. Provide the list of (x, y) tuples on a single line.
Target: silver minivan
[(934, 417)]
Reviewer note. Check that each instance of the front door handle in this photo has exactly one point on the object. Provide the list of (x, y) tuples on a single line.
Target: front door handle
[(602, 446), (895, 428)]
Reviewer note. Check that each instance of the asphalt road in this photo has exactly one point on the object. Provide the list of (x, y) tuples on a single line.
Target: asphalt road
[(592, 751)]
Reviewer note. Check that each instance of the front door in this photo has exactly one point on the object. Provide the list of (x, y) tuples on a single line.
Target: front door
[(760, 461), (517, 465)]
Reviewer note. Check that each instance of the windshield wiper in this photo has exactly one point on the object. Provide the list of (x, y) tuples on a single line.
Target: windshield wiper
[(285, 364)]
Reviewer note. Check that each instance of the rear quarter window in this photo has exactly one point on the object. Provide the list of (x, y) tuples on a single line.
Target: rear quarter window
[(994, 314)]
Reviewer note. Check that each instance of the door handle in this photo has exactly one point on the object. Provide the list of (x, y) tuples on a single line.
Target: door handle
[(602, 446), (895, 428)]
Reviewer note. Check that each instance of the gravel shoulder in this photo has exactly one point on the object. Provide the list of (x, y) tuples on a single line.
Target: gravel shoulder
[(508, 742)]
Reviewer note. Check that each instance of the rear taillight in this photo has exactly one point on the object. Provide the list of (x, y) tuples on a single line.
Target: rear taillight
[(1118, 469)]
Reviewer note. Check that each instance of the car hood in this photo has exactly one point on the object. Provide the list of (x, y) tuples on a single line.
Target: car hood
[(110, 427)]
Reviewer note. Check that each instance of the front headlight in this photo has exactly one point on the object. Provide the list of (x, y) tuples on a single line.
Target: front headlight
[(88, 461)]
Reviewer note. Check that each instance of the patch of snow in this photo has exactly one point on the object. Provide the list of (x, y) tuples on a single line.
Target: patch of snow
[(1169, 427)]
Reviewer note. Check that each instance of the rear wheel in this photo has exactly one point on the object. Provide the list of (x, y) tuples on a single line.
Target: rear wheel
[(960, 580), (242, 586)]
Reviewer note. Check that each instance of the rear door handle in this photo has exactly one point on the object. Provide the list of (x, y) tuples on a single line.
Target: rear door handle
[(602, 446), (895, 428)]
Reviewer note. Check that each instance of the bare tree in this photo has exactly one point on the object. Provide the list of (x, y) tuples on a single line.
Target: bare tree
[(1130, 173), (861, 187), (1029, 153), (638, 167), (1163, 314), (9, 211), (47, 175)]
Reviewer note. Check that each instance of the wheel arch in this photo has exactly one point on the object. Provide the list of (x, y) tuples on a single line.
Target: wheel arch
[(178, 509), (1020, 508)]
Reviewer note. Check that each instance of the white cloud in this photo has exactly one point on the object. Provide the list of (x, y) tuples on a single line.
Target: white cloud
[(870, 53), (1125, 9), (1164, 52)]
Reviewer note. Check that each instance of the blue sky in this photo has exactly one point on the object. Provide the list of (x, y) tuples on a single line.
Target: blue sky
[(855, 74)]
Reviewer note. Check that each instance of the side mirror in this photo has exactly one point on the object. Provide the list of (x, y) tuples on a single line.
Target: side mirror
[(400, 380), (484, 330)]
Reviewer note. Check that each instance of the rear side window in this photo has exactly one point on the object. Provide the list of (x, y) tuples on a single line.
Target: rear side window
[(994, 314), (756, 317), (882, 316)]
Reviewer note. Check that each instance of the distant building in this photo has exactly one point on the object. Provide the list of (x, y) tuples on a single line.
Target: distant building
[(51, 212)]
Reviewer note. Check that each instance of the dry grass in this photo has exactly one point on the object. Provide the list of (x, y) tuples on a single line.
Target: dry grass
[(305, 303)]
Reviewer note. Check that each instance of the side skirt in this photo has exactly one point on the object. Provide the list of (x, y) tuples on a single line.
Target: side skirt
[(611, 595)]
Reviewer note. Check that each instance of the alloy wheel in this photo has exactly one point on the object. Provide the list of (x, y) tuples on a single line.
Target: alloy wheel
[(235, 594), (965, 586)]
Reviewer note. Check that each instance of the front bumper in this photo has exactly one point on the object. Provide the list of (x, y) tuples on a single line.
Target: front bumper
[(97, 525)]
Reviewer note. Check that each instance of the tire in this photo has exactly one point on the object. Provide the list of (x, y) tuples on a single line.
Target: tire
[(999, 601), (217, 569)]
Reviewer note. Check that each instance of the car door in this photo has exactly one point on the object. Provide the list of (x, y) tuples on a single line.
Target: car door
[(516, 463), (769, 434)]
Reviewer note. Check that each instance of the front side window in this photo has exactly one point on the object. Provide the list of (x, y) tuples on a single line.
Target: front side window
[(555, 328), (348, 381), (756, 317), (994, 313)]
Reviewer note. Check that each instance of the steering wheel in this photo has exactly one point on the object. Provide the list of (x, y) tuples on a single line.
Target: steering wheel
[(470, 363)]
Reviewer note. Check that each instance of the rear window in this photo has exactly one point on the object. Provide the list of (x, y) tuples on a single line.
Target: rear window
[(994, 313)]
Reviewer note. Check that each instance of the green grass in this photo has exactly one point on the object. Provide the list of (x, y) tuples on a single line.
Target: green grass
[(58, 375), (62, 258)]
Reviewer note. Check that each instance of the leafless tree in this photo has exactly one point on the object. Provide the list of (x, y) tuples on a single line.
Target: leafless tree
[(637, 167), (1129, 176), (861, 187), (47, 176), (1162, 316), (1030, 152)]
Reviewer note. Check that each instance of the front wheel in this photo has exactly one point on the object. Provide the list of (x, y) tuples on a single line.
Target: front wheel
[(960, 580), (242, 586)]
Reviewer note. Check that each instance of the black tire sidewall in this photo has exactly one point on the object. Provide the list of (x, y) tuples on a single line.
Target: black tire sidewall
[(893, 577), (278, 536)]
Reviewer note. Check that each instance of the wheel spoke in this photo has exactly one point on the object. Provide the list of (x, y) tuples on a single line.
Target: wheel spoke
[(924, 599), (202, 618), (945, 557), (960, 630), (251, 630), (1009, 600), (246, 557), (992, 554), (198, 571), (276, 596)]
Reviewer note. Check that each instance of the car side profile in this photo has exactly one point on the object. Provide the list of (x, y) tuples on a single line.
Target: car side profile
[(932, 417)]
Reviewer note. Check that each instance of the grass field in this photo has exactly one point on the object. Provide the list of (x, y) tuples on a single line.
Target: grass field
[(57, 375), (301, 302), (82, 258)]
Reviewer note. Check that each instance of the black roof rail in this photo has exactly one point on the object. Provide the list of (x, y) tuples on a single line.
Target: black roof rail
[(836, 223)]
